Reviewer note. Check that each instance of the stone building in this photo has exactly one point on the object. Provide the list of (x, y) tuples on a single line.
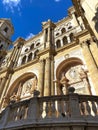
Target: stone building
[(61, 56)]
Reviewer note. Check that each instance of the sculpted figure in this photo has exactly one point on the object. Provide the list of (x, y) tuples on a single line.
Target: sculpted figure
[(34, 84), (64, 84), (82, 73), (13, 98)]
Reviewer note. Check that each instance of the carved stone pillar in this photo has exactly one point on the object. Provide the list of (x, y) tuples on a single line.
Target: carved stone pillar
[(41, 77), (47, 88), (52, 76), (18, 52), (92, 68), (62, 44), (13, 53), (5, 85), (2, 87), (68, 39), (44, 39), (3, 81), (57, 88), (49, 34)]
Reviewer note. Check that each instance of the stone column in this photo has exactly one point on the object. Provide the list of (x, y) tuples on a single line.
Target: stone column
[(57, 88), (5, 85), (47, 88), (2, 85), (41, 77), (94, 50), (49, 35), (92, 68), (44, 39), (52, 76), (68, 39), (13, 53), (18, 52), (62, 44)]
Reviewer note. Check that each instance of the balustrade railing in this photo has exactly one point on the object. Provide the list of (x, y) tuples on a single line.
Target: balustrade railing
[(88, 105), (19, 111), (56, 108), (53, 107)]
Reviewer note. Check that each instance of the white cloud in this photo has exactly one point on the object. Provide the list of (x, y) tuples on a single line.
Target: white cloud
[(30, 36), (11, 4), (57, 0)]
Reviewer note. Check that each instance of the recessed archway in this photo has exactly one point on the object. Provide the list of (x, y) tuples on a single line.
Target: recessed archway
[(23, 86), (67, 64), (71, 73)]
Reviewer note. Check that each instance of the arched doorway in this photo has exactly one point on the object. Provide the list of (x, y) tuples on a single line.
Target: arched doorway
[(71, 73), (22, 88)]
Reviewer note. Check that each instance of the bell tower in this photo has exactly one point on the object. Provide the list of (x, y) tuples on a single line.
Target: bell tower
[(6, 31)]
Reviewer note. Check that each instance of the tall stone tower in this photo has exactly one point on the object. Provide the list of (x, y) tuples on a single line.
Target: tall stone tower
[(6, 31)]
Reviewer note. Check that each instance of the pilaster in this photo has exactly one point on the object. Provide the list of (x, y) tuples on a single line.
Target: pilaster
[(91, 65), (41, 77), (47, 88), (94, 50)]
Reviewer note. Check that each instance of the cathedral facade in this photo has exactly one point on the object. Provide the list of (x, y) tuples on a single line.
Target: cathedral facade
[(63, 49), (61, 56)]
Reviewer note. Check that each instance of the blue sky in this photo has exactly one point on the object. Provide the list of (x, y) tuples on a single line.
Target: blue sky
[(27, 15)]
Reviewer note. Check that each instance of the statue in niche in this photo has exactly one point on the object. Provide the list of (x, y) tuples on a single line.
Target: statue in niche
[(64, 84), (82, 73), (34, 85), (13, 98)]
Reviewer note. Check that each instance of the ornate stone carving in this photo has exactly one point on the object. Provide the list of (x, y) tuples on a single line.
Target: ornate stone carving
[(29, 86)]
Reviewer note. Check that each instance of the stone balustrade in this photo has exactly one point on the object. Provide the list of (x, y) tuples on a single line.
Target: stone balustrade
[(64, 111)]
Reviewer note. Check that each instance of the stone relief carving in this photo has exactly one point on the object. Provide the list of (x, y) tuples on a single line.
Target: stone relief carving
[(74, 77), (29, 87)]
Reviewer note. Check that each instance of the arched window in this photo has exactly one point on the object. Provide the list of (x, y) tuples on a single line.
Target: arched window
[(26, 49), (57, 34), (38, 44), (30, 57), (58, 43), (23, 59), (71, 37), (65, 40), (32, 46), (63, 30)]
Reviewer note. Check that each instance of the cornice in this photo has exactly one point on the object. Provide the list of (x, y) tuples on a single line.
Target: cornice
[(67, 46), (26, 65), (34, 37), (66, 19), (82, 33)]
